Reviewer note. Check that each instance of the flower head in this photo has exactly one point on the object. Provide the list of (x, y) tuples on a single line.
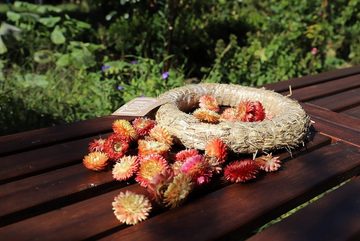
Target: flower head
[(181, 156), (161, 134), (259, 112), (115, 146), (124, 129), (159, 183), (96, 161), (147, 147), (209, 102), (150, 167), (131, 208), (216, 149), (96, 145), (143, 125), (206, 115), (229, 114), (268, 163), (178, 190), (198, 169), (125, 168), (165, 75), (241, 171), (314, 51), (105, 67), (250, 111)]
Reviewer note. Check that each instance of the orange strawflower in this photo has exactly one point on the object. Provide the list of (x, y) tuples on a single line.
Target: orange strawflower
[(209, 102), (150, 167), (182, 155), (125, 168), (124, 129), (96, 145), (205, 115), (96, 161), (147, 147), (250, 111), (143, 125), (131, 208), (115, 146), (216, 150), (161, 134)]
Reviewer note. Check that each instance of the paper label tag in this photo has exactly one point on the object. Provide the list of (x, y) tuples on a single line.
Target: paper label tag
[(139, 106)]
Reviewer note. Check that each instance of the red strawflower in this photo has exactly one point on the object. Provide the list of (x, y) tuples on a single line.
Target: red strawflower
[(241, 171), (115, 146), (245, 111), (216, 150), (209, 102), (198, 169), (97, 145), (184, 154), (150, 167), (259, 112), (143, 125)]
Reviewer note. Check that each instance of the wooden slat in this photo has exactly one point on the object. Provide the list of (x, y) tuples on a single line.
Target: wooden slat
[(49, 189), (36, 161), (300, 82), (353, 112), (333, 117), (98, 208), (326, 88), (236, 209), (341, 101), (46, 136), (333, 217)]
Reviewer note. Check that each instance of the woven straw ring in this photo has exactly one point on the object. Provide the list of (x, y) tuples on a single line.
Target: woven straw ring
[(287, 127)]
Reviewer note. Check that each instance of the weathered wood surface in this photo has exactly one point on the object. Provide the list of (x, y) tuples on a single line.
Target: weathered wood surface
[(46, 193)]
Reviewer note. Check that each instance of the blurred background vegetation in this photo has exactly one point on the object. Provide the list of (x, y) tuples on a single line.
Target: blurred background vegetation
[(63, 61)]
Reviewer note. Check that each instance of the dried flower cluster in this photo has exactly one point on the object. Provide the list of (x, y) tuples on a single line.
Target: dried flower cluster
[(245, 111), (169, 177)]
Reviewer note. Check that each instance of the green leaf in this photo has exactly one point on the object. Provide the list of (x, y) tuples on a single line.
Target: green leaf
[(12, 16), (43, 56), (3, 48), (49, 21), (57, 37), (63, 61)]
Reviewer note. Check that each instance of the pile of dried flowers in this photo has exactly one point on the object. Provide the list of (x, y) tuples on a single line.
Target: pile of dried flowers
[(168, 176)]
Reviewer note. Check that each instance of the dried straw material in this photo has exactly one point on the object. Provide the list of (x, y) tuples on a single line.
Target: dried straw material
[(287, 128)]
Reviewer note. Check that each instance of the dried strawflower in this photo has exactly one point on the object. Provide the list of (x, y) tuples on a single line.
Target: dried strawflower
[(216, 150), (96, 145), (147, 147), (161, 134), (206, 115), (245, 111), (150, 167), (131, 208), (125, 168), (268, 163), (157, 186), (229, 114), (96, 161), (241, 171), (198, 169), (209, 102), (259, 111), (143, 125), (177, 190), (115, 146), (176, 167), (124, 129), (182, 155)]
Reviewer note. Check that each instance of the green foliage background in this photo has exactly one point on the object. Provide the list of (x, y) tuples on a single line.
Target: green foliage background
[(69, 62)]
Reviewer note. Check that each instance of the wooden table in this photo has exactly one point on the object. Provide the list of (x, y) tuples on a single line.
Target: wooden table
[(47, 194)]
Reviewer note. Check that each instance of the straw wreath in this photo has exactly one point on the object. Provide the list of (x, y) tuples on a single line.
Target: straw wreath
[(286, 126)]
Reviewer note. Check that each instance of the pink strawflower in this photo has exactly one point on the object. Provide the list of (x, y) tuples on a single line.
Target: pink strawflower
[(131, 208), (314, 51), (198, 169), (268, 163), (184, 154), (229, 114), (125, 168), (241, 171)]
